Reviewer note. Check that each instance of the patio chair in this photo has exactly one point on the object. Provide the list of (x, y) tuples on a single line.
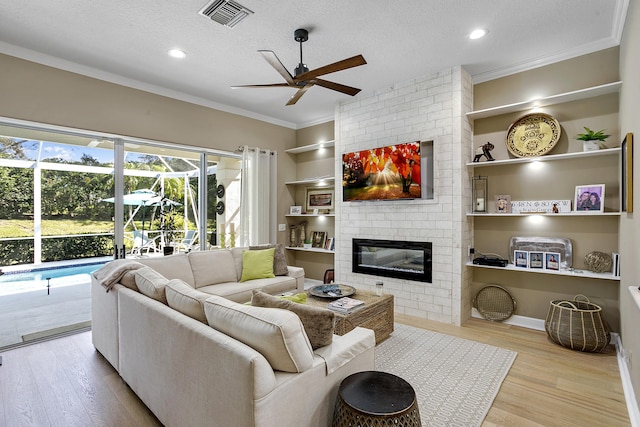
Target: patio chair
[(187, 241), (143, 243)]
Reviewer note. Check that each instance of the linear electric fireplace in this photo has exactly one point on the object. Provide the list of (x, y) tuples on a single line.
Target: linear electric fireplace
[(393, 258)]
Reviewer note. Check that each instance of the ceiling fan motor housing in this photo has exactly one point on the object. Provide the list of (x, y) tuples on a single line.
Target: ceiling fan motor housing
[(301, 35)]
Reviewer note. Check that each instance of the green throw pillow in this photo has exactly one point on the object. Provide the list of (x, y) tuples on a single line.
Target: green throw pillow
[(300, 298), (257, 264)]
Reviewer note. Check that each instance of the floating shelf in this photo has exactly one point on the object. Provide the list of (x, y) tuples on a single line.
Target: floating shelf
[(581, 214), (317, 250), (548, 158), (309, 215), (546, 101), (311, 147), (323, 181), (575, 273)]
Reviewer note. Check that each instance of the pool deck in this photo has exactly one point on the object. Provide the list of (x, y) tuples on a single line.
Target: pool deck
[(33, 311)]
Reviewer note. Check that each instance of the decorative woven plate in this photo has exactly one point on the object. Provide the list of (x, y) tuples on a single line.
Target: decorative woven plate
[(494, 303), (332, 291), (533, 135)]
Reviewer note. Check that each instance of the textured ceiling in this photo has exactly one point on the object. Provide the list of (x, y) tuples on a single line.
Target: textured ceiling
[(126, 42)]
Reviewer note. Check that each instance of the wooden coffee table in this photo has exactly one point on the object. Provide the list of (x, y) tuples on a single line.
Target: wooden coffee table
[(377, 314)]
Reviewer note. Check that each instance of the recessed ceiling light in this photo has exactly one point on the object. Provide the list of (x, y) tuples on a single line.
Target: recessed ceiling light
[(476, 34), (177, 53)]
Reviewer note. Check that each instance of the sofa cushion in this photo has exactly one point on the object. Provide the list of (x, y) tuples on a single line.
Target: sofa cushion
[(188, 301), (211, 267), (151, 283), (129, 280), (237, 258), (279, 258), (175, 266), (257, 264), (318, 322), (241, 291), (277, 334)]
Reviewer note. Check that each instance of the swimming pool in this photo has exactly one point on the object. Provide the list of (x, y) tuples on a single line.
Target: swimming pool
[(12, 282)]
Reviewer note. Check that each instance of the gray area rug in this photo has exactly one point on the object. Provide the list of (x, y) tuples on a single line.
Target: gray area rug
[(455, 380)]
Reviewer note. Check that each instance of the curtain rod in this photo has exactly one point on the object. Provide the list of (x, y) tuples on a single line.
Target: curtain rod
[(240, 149)]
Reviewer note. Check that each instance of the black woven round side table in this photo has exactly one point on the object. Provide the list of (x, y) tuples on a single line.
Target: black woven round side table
[(373, 398)]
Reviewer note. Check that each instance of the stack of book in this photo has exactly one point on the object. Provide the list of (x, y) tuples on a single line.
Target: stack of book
[(345, 305)]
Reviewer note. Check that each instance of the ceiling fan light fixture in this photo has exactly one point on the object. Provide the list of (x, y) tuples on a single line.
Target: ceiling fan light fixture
[(477, 34)]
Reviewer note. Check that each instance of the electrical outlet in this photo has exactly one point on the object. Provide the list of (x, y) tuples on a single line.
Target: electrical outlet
[(282, 227)]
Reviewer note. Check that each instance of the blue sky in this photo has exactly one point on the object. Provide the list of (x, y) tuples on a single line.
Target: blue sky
[(70, 153)]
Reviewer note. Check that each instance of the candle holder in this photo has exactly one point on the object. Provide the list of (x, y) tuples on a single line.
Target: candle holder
[(479, 194)]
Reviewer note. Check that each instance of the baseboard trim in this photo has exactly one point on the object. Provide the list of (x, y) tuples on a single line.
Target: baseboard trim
[(627, 386), (515, 320)]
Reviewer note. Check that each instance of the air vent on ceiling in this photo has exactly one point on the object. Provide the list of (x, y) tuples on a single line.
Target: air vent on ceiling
[(225, 12)]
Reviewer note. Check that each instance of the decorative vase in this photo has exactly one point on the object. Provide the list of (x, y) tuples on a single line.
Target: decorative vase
[(303, 232), (592, 145), (292, 236)]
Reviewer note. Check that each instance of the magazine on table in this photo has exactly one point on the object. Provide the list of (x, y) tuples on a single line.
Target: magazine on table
[(345, 305)]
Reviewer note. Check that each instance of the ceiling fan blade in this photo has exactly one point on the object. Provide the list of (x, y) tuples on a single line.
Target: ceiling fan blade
[(299, 93), (354, 61), (267, 85), (272, 59), (337, 87)]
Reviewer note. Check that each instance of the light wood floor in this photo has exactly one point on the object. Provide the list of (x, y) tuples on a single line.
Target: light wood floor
[(548, 385), (65, 382)]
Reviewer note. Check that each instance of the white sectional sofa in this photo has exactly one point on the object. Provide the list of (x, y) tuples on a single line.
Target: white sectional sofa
[(199, 359)]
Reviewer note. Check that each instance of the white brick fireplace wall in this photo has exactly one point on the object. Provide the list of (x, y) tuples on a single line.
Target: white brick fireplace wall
[(431, 108)]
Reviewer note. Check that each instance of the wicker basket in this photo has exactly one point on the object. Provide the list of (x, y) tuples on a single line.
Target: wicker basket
[(577, 325)]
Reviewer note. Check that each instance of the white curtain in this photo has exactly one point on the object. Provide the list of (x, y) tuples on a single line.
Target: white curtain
[(259, 197)]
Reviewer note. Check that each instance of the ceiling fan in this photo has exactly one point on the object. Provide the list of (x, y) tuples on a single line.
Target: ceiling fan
[(305, 78)]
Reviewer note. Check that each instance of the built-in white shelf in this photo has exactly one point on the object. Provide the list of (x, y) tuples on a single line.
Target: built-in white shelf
[(311, 147), (321, 181), (317, 250), (548, 158), (309, 215), (582, 214), (560, 98), (572, 273)]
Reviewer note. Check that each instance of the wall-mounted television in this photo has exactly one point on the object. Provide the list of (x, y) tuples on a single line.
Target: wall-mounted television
[(385, 173)]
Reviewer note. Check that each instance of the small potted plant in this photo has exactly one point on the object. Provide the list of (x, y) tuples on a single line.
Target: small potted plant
[(591, 140)]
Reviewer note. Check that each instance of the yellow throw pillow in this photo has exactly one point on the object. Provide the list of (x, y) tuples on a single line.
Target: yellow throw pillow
[(257, 264)]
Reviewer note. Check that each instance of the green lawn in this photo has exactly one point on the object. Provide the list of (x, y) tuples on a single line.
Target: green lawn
[(54, 227), (59, 227)]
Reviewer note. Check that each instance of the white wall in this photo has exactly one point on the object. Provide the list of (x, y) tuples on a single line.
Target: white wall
[(425, 108)]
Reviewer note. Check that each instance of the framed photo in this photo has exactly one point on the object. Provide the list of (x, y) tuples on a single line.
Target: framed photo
[(321, 199), (552, 261), (589, 198), (318, 238), (295, 210), (536, 259), (521, 259), (503, 203), (626, 180)]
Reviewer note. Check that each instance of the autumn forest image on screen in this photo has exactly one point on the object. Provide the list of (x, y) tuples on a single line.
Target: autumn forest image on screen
[(385, 173)]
